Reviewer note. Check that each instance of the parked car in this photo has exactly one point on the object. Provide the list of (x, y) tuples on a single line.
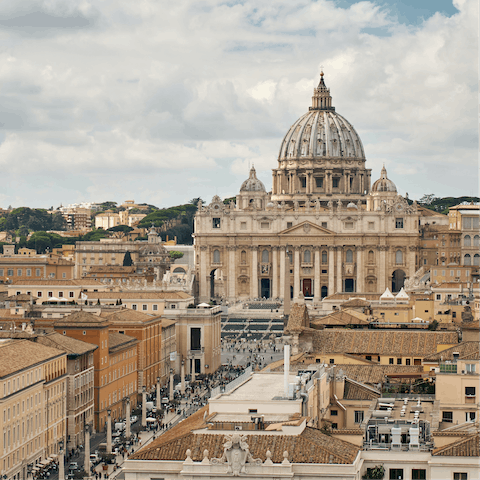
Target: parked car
[(94, 458), (73, 466)]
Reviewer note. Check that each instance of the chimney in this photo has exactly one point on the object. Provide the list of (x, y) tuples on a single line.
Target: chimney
[(286, 368)]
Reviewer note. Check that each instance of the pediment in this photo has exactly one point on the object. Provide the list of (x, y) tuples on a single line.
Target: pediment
[(306, 228)]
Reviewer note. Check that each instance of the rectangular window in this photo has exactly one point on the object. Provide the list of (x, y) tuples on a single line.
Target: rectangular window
[(438, 296), (349, 225), (470, 367), (265, 225), (452, 273), (335, 182), (324, 224), (334, 413), (460, 476), (2, 273), (215, 223), (319, 182), (10, 272), (371, 225), (50, 294), (399, 361), (29, 272), (447, 417), (419, 474), (154, 308), (195, 338), (38, 272), (390, 361), (243, 225), (71, 294), (396, 474), (303, 182), (144, 307), (470, 416), (64, 275), (399, 223), (39, 294), (289, 224), (470, 391), (60, 294), (358, 416), (19, 272), (134, 307)]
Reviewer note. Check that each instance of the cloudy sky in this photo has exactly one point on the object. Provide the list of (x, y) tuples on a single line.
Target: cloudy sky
[(163, 101)]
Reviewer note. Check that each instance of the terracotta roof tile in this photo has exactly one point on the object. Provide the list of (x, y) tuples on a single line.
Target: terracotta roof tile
[(357, 391), (81, 318), (374, 374), (17, 355), (138, 295), (129, 315), (468, 350), (65, 343), (381, 342), (465, 447), (118, 339), (298, 318)]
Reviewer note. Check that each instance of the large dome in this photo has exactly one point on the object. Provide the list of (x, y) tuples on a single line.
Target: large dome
[(321, 133)]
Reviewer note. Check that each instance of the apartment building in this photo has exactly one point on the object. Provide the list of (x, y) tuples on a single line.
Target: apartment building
[(20, 267), (115, 363), (80, 383), (32, 404)]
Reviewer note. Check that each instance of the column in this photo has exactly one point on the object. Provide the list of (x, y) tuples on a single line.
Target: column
[(109, 431), (275, 272), (360, 273), (328, 184), (339, 270), (316, 280), (159, 400), (286, 291), (170, 396), (182, 378), (232, 278), (127, 419), (347, 180), (382, 281), (192, 373), (282, 273), (331, 270), (86, 461), (144, 406), (296, 274), (411, 261), (61, 465), (254, 276), (203, 284)]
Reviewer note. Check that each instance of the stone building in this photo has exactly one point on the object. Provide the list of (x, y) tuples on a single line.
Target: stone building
[(322, 229)]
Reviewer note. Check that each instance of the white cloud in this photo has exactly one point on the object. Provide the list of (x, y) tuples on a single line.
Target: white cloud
[(167, 101)]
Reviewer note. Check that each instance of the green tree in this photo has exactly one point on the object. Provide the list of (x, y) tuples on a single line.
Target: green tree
[(120, 228), (127, 260), (175, 254)]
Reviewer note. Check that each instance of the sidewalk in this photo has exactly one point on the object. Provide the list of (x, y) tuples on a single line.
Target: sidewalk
[(146, 438)]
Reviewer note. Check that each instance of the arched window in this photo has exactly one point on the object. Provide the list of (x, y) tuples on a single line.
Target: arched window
[(349, 256), (467, 260), (324, 257), (399, 257), (467, 241), (265, 256), (476, 241), (476, 259), (371, 257), (243, 256), (307, 256), (216, 256)]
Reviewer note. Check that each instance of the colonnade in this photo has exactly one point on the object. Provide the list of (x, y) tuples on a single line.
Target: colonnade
[(326, 266)]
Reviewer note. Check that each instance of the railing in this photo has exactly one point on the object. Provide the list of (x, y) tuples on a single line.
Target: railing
[(410, 396), (233, 384)]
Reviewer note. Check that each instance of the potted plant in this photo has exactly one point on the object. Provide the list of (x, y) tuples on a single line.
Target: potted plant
[(375, 473)]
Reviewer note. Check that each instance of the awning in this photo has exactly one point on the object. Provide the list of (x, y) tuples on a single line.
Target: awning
[(44, 462), (150, 419), (35, 469)]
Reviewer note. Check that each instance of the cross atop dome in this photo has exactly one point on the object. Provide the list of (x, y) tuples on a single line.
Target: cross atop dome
[(321, 99)]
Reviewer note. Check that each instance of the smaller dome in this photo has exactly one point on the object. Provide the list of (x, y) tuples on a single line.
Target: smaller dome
[(252, 183), (383, 184), (352, 206)]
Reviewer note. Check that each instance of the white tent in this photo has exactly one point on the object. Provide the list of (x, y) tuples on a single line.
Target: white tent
[(387, 295), (402, 295), (203, 305), (53, 299)]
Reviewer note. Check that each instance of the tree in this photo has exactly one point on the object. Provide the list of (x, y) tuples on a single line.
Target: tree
[(120, 228), (127, 259), (175, 254), (427, 199)]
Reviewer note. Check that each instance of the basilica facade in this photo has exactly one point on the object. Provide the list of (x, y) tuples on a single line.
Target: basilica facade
[(322, 229)]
